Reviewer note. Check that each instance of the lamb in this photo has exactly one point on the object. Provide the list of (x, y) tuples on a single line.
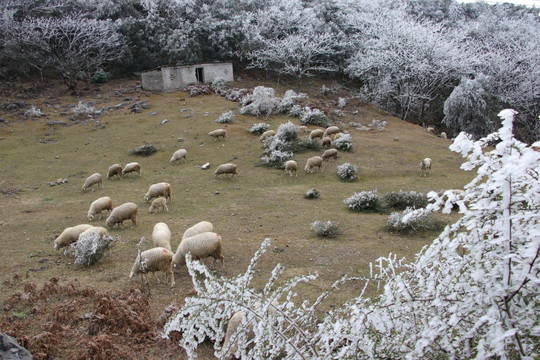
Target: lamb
[(228, 168), (159, 204), (317, 133), (159, 189), (326, 141), (161, 236), (331, 130), (291, 167), (131, 167), (218, 133), (156, 259), (92, 180), (113, 170), (315, 161), (200, 246), (425, 166), (178, 155), (97, 206), (266, 135), (70, 235), (123, 212), (198, 228), (330, 153)]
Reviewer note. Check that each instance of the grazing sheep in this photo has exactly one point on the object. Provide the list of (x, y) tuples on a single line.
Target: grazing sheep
[(113, 170), (131, 167), (178, 155), (97, 206), (92, 180), (70, 235), (161, 236), (156, 259), (266, 135), (123, 212), (326, 141), (338, 135), (330, 153), (443, 135), (159, 189), (228, 168), (302, 129), (218, 133), (425, 166), (159, 204), (430, 130), (317, 133), (331, 130), (93, 230), (198, 228), (200, 246), (291, 167), (315, 161)]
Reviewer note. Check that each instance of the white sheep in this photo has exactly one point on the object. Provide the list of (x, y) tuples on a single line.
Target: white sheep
[(443, 135), (326, 141), (291, 167), (70, 235), (159, 189), (161, 236), (425, 166), (132, 167), (93, 230), (156, 259), (97, 206), (317, 133), (266, 135), (123, 212), (159, 204), (178, 155), (430, 130), (330, 153), (92, 180), (218, 133), (113, 170), (331, 130), (228, 168), (302, 129), (198, 228), (338, 135), (200, 246), (315, 161)]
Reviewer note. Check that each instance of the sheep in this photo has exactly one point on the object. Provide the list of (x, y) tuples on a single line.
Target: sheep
[(291, 167), (317, 133), (200, 246), (315, 161), (156, 259), (430, 130), (267, 134), (97, 206), (443, 135), (123, 212), (330, 153), (131, 167), (302, 129), (93, 230), (218, 133), (92, 180), (338, 135), (198, 228), (70, 235), (178, 155), (159, 204), (161, 236), (228, 168), (331, 130), (425, 166), (159, 189), (326, 141), (113, 170)]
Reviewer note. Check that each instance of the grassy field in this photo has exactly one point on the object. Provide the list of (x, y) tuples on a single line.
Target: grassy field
[(261, 202)]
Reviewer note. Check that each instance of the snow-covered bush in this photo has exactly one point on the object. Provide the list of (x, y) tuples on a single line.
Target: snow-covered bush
[(226, 118), (88, 250), (364, 201), (379, 124), (279, 148), (83, 109), (404, 199), (296, 111), (314, 117), (312, 194), (33, 111), (341, 103), (289, 100), (259, 128), (218, 83), (325, 90), (100, 77), (261, 102), (347, 171), (410, 221), (326, 228), (343, 143)]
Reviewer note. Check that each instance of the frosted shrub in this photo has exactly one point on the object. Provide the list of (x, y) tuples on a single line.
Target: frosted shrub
[(343, 143), (226, 118), (83, 109), (326, 228), (279, 148), (218, 83), (261, 102), (364, 201), (100, 77), (314, 117), (404, 199), (325, 90), (259, 128), (296, 111), (88, 250), (347, 171), (289, 100), (341, 103), (33, 111), (379, 124), (312, 194), (410, 221)]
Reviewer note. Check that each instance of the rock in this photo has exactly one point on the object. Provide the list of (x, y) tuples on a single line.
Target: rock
[(163, 121), (180, 139), (154, 113), (206, 166), (119, 106), (11, 350)]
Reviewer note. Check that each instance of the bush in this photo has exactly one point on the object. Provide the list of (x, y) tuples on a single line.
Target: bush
[(411, 220), (33, 111), (312, 194), (405, 199), (347, 171), (364, 201), (100, 77), (379, 124), (314, 117), (288, 101), (218, 83), (296, 111), (342, 102), (259, 128), (343, 143), (88, 250), (226, 118), (279, 148), (83, 109), (309, 145), (261, 102), (144, 150), (326, 228)]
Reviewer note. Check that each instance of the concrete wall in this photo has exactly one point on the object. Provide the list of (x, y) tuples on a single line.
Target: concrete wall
[(152, 80)]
